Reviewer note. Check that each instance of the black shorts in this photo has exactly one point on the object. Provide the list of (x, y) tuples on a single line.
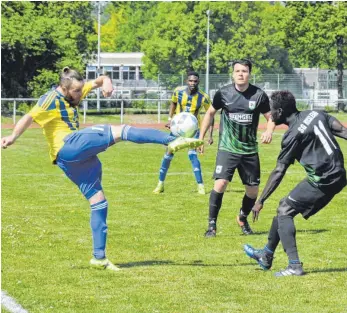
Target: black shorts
[(247, 165), (308, 199)]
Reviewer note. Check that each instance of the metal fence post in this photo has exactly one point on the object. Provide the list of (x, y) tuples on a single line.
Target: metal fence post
[(278, 81), (159, 102), (121, 111), (84, 111), (14, 111), (158, 111)]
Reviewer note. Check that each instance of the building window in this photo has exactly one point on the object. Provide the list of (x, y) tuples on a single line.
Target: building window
[(91, 72), (125, 71), (115, 72), (91, 75), (108, 71), (132, 72)]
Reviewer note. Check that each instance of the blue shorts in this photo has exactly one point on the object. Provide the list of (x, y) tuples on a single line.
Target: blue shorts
[(78, 157)]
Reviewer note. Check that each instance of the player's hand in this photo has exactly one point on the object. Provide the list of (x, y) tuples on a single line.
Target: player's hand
[(7, 141), (107, 93), (201, 149), (256, 211), (266, 137), (168, 125), (107, 88), (210, 141)]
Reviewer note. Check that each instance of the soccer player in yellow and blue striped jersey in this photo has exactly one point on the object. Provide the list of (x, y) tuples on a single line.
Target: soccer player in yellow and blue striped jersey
[(187, 99), (75, 151)]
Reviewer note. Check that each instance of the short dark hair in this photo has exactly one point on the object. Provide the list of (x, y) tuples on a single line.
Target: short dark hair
[(193, 73), (285, 100), (67, 76), (245, 62)]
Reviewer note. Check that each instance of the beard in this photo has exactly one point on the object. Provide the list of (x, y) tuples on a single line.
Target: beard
[(278, 120), (71, 100), (193, 88)]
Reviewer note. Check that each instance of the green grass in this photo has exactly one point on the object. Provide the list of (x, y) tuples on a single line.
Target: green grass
[(168, 266)]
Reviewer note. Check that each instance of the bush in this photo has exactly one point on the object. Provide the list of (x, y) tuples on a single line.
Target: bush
[(302, 106), (138, 104), (329, 108)]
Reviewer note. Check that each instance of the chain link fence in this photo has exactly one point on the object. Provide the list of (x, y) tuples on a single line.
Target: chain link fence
[(313, 90)]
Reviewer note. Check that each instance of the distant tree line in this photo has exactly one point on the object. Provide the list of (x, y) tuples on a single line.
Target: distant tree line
[(39, 38)]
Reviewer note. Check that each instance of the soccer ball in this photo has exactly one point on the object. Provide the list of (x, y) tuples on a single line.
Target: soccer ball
[(184, 124)]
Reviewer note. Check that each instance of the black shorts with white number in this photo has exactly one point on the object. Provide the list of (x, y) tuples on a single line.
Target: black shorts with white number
[(248, 166), (308, 199)]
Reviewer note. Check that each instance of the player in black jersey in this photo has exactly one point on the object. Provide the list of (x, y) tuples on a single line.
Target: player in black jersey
[(241, 104), (309, 140)]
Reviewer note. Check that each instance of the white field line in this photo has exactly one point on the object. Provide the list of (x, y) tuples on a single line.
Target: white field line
[(10, 304)]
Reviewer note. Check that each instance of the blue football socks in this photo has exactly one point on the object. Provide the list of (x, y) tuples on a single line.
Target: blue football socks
[(165, 164), (146, 135), (99, 228), (196, 165)]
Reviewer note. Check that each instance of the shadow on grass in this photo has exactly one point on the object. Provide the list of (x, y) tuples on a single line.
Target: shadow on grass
[(236, 190), (256, 233), (311, 231), (327, 270), (172, 263)]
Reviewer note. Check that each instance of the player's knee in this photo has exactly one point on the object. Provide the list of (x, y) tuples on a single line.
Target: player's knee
[(117, 132), (252, 191), (97, 197), (285, 209), (220, 185)]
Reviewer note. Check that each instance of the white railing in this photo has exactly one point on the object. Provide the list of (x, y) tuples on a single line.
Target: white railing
[(120, 104), (84, 106)]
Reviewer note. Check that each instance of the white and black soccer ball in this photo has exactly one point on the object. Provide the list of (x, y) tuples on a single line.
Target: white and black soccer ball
[(184, 124)]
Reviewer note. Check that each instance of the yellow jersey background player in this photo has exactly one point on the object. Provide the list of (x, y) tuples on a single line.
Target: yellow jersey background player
[(187, 99)]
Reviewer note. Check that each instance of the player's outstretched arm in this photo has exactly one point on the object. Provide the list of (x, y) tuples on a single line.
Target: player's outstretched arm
[(106, 83), (172, 110), (206, 123), (18, 130), (271, 185), (210, 139), (338, 129)]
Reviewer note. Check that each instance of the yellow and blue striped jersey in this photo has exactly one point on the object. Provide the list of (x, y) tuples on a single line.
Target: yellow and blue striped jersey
[(190, 103), (57, 117)]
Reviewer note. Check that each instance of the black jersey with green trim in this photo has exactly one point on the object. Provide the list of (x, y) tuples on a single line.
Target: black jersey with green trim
[(309, 140), (240, 117)]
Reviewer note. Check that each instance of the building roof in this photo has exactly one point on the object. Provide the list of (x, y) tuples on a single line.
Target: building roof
[(119, 59)]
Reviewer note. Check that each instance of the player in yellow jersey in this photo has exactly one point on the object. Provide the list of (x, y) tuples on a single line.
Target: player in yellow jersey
[(75, 151), (187, 99)]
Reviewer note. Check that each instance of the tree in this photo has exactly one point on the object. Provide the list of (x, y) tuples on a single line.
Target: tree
[(38, 39), (315, 35), (110, 29), (174, 37)]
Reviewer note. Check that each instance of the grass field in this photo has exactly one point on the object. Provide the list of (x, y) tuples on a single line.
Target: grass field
[(168, 266)]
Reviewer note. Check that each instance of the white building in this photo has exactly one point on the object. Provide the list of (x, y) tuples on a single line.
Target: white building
[(119, 66)]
